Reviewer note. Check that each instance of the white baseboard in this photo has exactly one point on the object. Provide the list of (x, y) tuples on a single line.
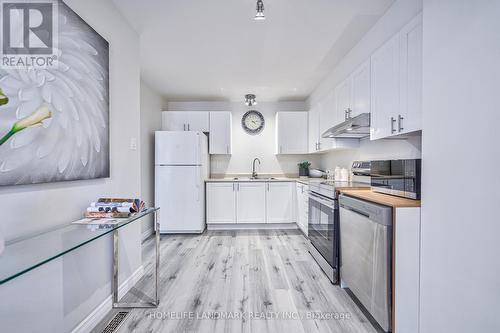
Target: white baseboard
[(252, 226), (102, 309)]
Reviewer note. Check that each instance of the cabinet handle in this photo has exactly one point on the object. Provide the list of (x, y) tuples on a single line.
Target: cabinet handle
[(345, 114), (188, 128), (319, 145), (349, 111), (233, 187), (393, 121), (227, 149), (184, 127), (400, 123)]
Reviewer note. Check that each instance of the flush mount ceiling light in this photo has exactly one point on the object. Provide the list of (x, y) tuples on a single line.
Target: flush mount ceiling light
[(250, 100), (260, 11)]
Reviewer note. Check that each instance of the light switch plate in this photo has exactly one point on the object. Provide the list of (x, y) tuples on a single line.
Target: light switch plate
[(133, 143)]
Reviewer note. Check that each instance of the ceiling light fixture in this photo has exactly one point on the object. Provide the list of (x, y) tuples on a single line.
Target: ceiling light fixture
[(260, 11), (250, 100)]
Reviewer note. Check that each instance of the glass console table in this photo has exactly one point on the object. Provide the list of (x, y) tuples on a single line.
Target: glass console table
[(25, 254)]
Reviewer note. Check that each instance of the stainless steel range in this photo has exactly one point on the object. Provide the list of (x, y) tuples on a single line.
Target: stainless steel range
[(324, 222)]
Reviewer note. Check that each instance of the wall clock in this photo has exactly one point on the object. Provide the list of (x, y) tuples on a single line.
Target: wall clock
[(252, 122)]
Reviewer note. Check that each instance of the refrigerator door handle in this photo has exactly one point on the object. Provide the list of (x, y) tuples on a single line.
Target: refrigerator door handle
[(198, 185)]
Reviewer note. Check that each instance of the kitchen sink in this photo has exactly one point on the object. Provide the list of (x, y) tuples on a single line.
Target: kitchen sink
[(254, 178)]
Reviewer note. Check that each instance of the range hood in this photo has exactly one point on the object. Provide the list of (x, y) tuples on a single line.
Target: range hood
[(353, 128)]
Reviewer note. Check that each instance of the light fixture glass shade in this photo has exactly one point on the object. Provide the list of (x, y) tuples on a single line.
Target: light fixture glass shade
[(259, 16)]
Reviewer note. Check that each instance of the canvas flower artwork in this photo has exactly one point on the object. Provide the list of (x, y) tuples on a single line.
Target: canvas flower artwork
[(54, 122)]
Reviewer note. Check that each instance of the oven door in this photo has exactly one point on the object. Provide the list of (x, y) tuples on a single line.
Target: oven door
[(323, 226)]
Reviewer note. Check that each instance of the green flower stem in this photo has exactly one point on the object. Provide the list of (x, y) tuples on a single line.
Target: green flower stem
[(7, 136)]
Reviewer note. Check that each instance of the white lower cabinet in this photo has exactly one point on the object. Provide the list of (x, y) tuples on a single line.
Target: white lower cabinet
[(280, 202), (406, 269), (250, 202), (221, 203), (302, 207)]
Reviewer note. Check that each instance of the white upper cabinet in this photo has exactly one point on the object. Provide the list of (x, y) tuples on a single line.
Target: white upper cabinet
[(314, 128), (291, 132), (251, 202), (343, 98), (353, 94), (173, 121), (280, 202), (327, 115), (321, 118), (185, 121), (220, 133), (410, 117), (360, 81), (221, 203), (396, 83), (385, 89)]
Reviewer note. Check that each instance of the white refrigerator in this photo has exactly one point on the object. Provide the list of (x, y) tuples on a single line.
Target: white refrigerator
[(181, 167)]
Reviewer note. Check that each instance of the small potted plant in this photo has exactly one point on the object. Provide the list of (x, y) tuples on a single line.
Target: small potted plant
[(304, 169)]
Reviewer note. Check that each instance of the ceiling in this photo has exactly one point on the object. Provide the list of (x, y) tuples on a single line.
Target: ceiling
[(212, 50)]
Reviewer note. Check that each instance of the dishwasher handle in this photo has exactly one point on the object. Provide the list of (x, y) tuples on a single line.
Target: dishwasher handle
[(355, 211), (375, 212)]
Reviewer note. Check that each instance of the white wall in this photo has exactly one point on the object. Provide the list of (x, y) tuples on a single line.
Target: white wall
[(151, 105), (460, 276), (247, 147), (399, 14), (58, 295)]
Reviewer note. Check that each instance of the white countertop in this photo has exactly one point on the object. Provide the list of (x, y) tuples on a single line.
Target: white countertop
[(271, 179)]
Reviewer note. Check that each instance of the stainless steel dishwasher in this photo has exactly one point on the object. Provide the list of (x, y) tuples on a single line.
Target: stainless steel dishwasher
[(366, 256)]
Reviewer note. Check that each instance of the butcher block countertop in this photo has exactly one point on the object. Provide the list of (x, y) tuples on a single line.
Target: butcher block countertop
[(380, 198)]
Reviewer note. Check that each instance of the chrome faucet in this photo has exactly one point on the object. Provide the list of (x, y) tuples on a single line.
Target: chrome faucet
[(254, 174)]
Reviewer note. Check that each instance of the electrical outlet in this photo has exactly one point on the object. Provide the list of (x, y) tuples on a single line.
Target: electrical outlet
[(133, 143)]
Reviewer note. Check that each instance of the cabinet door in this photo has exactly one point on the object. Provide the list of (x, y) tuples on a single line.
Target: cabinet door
[(360, 79), (314, 129), (327, 119), (220, 133), (410, 117), (221, 203), (301, 209), (280, 199), (291, 136), (343, 95), (251, 202), (385, 89), (198, 121), (174, 121)]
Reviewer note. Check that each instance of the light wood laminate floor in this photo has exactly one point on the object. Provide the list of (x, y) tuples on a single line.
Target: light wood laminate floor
[(261, 281)]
